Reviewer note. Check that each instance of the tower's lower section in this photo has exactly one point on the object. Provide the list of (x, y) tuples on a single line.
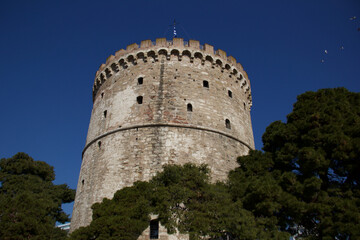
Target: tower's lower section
[(119, 158)]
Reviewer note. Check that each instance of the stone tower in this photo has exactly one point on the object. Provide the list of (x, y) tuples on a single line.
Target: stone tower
[(163, 102)]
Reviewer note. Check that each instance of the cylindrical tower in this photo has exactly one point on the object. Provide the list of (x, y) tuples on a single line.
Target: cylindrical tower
[(165, 102)]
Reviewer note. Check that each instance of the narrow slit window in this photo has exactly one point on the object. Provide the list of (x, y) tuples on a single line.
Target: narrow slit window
[(140, 80), (154, 229), (227, 124), (230, 93), (102, 95), (139, 99), (206, 84), (99, 144), (244, 106), (189, 107), (105, 113)]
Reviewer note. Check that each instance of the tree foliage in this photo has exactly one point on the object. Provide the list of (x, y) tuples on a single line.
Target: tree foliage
[(307, 178), (123, 217), (185, 200), (305, 183), (30, 203)]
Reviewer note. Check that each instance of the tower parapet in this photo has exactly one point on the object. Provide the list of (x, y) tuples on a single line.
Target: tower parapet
[(150, 51), (162, 102)]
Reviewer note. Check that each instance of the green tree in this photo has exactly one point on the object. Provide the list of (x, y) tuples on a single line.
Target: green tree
[(307, 178), (256, 187), (124, 217), (30, 203), (184, 199)]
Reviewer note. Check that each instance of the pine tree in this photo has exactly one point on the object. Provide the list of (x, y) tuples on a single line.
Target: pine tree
[(307, 178), (30, 204)]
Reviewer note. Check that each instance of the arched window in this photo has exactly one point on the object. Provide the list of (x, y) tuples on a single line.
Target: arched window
[(105, 113), (163, 52), (141, 55), (175, 52), (139, 99), (206, 84), (186, 53), (189, 107), (108, 73), (198, 55), (140, 80), (102, 78), (122, 63), (208, 58), (227, 124), (154, 229), (151, 54), (99, 144), (115, 67), (230, 93)]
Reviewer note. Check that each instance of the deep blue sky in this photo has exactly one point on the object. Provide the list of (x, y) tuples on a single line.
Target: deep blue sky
[(50, 51)]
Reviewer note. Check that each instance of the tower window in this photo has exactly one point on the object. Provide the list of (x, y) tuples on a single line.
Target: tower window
[(206, 84), (154, 229), (140, 80), (189, 107), (227, 124), (105, 113), (102, 95), (244, 106), (82, 182), (139, 99), (99, 144), (230, 93)]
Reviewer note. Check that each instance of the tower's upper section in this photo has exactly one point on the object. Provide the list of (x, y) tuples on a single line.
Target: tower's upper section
[(150, 51), (177, 83)]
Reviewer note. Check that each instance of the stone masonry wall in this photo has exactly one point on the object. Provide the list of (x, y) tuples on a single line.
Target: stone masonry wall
[(152, 107)]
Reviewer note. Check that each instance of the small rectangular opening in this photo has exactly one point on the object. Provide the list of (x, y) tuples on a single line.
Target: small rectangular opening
[(139, 99), (154, 229), (189, 107), (227, 124), (206, 84), (230, 93)]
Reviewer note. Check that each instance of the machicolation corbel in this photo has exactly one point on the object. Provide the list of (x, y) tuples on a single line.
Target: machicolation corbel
[(176, 47)]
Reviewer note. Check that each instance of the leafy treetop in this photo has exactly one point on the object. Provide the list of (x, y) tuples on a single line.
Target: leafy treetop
[(30, 203)]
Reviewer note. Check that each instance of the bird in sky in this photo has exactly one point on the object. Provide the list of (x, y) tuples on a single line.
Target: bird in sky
[(352, 18)]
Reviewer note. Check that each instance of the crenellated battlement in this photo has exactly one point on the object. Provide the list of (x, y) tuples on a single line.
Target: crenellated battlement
[(149, 51)]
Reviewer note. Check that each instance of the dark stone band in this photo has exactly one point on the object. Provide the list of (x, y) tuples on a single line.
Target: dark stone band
[(164, 125)]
